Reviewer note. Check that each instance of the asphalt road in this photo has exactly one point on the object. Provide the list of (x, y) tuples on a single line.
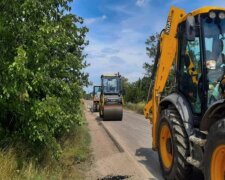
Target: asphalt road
[(133, 134)]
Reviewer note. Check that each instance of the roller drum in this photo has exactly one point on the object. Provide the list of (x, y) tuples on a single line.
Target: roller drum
[(113, 112)]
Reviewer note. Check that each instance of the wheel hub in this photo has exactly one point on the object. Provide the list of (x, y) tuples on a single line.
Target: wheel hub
[(218, 163), (166, 150), (169, 145)]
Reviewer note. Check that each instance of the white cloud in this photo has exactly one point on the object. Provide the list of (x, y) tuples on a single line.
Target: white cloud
[(141, 3), (120, 47), (128, 60), (110, 50), (89, 21), (104, 17), (120, 8)]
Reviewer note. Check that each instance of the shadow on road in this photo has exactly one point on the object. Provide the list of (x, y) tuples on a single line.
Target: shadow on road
[(98, 119), (108, 120), (150, 160), (152, 164)]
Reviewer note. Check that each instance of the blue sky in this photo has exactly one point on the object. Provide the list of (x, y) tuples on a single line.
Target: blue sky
[(119, 29)]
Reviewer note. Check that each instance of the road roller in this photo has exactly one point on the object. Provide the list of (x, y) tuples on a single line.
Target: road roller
[(111, 98), (96, 98)]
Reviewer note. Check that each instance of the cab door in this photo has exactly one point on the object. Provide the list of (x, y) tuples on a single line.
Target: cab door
[(189, 70)]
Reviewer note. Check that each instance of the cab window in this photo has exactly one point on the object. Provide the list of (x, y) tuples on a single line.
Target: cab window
[(190, 71)]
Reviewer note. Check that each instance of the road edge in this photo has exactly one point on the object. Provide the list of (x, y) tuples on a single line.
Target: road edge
[(117, 144)]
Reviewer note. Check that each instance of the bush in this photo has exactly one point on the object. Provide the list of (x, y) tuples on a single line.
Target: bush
[(73, 163), (41, 53), (139, 107)]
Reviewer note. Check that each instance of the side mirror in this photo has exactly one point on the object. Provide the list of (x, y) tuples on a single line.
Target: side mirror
[(190, 28)]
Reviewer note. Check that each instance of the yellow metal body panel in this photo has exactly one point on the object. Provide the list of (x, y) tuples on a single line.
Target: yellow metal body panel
[(168, 49), (192, 71), (111, 75), (202, 10), (206, 9)]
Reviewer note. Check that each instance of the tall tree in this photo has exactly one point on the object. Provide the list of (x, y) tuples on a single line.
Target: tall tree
[(41, 54), (151, 48)]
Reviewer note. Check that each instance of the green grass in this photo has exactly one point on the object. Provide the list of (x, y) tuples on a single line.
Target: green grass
[(139, 107), (73, 163)]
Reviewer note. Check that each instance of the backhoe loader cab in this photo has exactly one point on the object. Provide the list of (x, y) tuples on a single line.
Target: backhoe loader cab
[(189, 124), (111, 99), (96, 98)]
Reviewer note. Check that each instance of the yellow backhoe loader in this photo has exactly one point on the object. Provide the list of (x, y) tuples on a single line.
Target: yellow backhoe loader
[(111, 99), (188, 124), (96, 98)]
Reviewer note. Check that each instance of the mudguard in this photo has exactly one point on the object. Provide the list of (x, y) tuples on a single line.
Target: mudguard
[(215, 109), (183, 107)]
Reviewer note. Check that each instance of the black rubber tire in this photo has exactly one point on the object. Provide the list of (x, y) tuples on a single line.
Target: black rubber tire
[(180, 169), (215, 138)]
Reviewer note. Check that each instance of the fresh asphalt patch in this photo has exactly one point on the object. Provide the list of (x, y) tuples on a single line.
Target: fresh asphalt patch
[(118, 177)]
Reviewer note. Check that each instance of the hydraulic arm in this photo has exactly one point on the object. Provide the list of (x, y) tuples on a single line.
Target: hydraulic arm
[(163, 63)]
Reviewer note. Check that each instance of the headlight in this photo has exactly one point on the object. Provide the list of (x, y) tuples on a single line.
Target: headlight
[(222, 15), (212, 14)]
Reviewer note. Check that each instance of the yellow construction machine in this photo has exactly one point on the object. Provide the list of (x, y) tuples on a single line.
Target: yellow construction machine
[(96, 98), (188, 124), (111, 99)]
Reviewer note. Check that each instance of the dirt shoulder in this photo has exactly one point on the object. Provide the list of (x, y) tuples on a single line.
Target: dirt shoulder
[(109, 159)]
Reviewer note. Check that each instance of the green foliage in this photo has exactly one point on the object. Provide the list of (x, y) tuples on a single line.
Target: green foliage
[(41, 54), (88, 96), (137, 107), (151, 48), (137, 91), (151, 44), (73, 163)]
